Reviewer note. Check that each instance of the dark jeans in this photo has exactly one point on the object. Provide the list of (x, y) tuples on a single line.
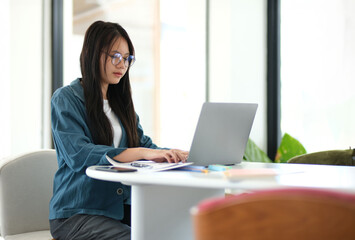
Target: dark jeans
[(90, 227)]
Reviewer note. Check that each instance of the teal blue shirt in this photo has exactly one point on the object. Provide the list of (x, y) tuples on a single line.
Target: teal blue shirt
[(73, 191)]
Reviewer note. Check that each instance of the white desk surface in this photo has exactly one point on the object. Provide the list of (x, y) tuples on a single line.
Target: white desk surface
[(161, 200), (292, 175)]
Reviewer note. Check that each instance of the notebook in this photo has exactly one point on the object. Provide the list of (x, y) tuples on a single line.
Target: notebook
[(222, 133)]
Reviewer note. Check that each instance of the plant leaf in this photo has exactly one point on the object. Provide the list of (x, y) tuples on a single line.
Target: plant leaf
[(289, 148), (254, 154)]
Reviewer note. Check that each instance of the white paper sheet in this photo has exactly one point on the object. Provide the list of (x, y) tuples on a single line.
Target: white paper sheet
[(145, 165)]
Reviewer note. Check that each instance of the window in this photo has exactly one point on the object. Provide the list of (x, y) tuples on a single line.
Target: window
[(317, 73), (237, 50)]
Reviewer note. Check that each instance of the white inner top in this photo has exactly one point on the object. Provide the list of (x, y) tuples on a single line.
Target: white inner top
[(116, 126)]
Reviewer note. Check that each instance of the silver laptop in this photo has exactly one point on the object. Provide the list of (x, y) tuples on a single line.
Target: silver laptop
[(222, 133)]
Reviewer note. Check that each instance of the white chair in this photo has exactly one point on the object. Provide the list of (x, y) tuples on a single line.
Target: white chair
[(26, 185)]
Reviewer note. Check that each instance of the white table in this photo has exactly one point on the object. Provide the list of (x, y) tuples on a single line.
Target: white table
[(161, 201)]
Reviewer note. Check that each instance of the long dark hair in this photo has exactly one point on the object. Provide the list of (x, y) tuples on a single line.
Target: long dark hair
[(99, 38)]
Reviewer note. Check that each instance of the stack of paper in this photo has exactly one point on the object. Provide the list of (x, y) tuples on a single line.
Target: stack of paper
[(145, 165), (250, 173)]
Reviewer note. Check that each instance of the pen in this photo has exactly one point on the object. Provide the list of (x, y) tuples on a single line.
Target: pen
[(194, 169), (200, 170)]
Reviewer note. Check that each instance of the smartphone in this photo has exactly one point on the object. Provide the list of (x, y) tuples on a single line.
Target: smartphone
[(115, 169)]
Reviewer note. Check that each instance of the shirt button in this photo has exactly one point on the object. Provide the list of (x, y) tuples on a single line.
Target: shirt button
[(119, 191)]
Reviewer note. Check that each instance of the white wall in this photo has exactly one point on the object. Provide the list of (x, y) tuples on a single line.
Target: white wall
[(22, 77), (238, 57), (5, 119)]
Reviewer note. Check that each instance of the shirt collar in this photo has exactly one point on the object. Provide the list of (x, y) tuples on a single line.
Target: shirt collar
[(77, 89)]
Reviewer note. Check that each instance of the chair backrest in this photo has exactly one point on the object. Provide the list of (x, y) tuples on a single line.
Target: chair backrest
[(26, 185), (277, 214), (331, 157)]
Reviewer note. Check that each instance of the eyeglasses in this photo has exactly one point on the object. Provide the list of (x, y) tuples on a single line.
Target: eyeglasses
[(117, 58)]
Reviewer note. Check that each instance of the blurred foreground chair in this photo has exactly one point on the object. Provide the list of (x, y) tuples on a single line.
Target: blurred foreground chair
[(331, 157), (277, 214), (26, 183)]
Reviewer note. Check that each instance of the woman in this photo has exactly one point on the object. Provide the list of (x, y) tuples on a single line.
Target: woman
[(92, 117)]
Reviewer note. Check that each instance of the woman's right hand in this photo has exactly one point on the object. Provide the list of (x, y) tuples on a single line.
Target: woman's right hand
[(156, 155), (162, 155)]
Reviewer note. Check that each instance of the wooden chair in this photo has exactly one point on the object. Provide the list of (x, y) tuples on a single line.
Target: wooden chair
[(277, 214), (26, 185)]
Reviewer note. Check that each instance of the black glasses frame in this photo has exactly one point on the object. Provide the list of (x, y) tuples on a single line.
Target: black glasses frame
[(117, 58)]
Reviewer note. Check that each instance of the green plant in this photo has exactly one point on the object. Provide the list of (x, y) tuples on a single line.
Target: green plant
[(289, 147), (254, 154)]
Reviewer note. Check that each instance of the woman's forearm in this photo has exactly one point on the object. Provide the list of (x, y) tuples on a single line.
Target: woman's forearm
[(130, 155)]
